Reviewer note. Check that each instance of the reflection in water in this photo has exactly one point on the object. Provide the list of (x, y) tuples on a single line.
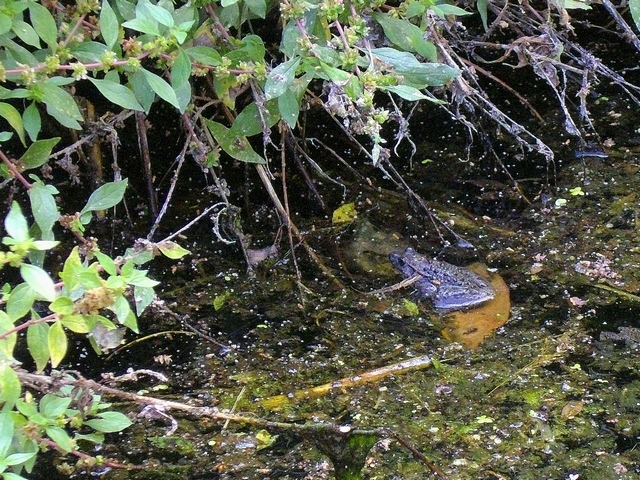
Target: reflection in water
[(471, 327)]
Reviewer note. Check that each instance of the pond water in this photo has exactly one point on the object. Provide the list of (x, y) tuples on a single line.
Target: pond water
[(542, 394), (541, 382)]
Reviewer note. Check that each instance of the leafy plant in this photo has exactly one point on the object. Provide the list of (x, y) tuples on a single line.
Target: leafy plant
[(90, 299)]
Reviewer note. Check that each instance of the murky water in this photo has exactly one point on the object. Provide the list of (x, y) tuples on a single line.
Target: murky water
[(541, 397)]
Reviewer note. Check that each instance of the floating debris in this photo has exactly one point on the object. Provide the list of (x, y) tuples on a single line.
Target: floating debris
[(600, 268)]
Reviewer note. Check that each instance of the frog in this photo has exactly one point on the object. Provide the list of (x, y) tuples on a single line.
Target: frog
[(449, 287)]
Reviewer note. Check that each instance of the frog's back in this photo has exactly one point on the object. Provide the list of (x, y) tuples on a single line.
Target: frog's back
[(450, 287)]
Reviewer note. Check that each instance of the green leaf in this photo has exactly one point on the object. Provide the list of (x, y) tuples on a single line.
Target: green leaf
[(289, 108), (5, 23), (143, 25), (109, 25), (407, 92), (139, 278), (13, 118), (26, 33), (161, 15), (251, 48), (17, 459), (89, 278), (38, 153), (172, 250), (204, 55), (121, 308), (44, 207), (97, 438), (444, 9), (126, 8), (75, 323), (334, 74), (181, 31), (71, 271), (575, 4), (30, 410), (15, 93), (634, 6), (107, 196), (60, 81), (188, 12), (39, 281), (109, 422), (62, 305), (107, 263), (181, 69), (15, 224), (415, 73), (61, 438), (57, 343), (161, 88), (481, 6), (183, 94), (32, 121), (47, 29), (426, 49), (38, 344), (117, 93), (249, 122), (88, 52), (143, 296), (103, 339), (20, 54), (20, 301), (220, 300), (61, 105), (7, 344), (131, 322), (141, 90), (405, 35), (52, 406), (414, 9), (180, 73), (45, 244), (10, 388), (258, 7), (281, 78), (6, 427), (236, 147), (116, 282)]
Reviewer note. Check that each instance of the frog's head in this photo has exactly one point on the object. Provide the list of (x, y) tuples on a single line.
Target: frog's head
[(402, 261)]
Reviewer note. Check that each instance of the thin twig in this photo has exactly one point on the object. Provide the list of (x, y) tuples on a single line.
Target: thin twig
[(143, 145), (167, 199)]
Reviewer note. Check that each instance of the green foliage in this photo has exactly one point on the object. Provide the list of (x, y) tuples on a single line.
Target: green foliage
[(55, 419), (89, 298), (139, 51)]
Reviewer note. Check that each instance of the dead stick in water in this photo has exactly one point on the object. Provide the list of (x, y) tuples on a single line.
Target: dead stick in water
[(399, 368)]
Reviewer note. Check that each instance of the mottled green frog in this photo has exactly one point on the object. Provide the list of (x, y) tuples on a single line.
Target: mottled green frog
[(448, 286)]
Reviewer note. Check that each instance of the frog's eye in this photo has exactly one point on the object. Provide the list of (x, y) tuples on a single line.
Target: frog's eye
[(437, 283)]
